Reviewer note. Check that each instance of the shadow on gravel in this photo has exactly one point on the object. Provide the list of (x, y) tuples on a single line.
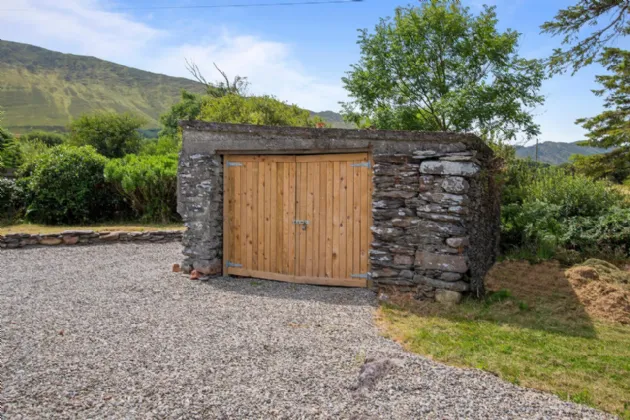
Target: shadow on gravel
[(281, 290)]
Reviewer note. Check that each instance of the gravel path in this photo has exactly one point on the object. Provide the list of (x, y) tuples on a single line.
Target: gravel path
[(109, 331)]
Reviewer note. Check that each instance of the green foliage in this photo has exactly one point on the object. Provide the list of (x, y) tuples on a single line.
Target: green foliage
[(149, 183), (163, 145), (30, 150), (439, 68), (570, 24), (112, 135), (188, 108), (260, 110), (11, 200), (49, 138), (66, 185), (10, 156), (546, 210), (611, 128)]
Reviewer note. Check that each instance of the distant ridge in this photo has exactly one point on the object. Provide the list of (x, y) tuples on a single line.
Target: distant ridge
[(45, 89), (556, 153)]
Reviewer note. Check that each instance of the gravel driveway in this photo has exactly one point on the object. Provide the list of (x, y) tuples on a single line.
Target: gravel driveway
[(109, 331)]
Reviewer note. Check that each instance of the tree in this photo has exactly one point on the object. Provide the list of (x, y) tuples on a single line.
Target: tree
[(48, 138), (436, 67), (260, 110), (112, 135), (570, 22), (189, 107), (611, 128), (10, 155)]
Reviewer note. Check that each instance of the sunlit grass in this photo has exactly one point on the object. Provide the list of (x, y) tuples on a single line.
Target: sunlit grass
[(541, 340), (44, 229)]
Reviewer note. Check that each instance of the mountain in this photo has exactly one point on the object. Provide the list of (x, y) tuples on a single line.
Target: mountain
[(43, 89), (335, 119), (556, 153)]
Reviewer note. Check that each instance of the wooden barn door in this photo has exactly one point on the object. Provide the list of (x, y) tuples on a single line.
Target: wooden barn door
[(303, 219)]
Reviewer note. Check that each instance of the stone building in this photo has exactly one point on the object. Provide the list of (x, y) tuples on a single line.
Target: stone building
[(415, 210)]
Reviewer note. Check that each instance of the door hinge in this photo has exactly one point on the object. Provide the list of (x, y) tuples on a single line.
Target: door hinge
[(301, 222), (231, 264), (362, 165), (360, 276), (234, 164)]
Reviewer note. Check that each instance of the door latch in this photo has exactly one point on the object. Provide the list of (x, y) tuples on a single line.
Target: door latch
[(304, 223)]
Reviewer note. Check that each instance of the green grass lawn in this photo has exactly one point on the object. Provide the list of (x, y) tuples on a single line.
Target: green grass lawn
[(45, 229), (531, 331)]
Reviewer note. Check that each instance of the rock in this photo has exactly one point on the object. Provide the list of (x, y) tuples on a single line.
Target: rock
[(450, 276), (29, 241), (458, 286), (210, 269), (372, 370), (385, 272), (448, 297), (395, 194), (455, 184), (77, 232), (176, 268), (431, 261), (403, 260), (70, 240), (50, 241), (110, 236), (436, 167), (457, 242), (194, 275), (444, 198), (407, 274)]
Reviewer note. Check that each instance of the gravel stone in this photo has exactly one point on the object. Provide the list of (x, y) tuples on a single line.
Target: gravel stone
[(111, 332)]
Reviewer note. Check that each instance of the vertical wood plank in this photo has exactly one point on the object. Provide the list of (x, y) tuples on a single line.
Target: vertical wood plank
[(279, 228), (321, 231), (335, 221), (356, 208), (342, 220), (329, 219), (250, 220), (236, 209), (349, 217), (260, 254), (291, 207), (302, 214), (315, 220), (244, 233), (227, 204), (365, 228), (310, 196), (268, 182)]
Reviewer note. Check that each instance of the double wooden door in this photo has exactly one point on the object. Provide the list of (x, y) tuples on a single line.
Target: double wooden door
[(303, 219)]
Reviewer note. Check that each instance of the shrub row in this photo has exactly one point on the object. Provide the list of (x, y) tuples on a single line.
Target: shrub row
[(67, 185)]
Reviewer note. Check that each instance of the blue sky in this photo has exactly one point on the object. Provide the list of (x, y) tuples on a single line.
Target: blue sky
[(297, 53)]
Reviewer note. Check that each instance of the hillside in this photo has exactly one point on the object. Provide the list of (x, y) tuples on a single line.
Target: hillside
[(335, 119), (40, 88), (556, 153)]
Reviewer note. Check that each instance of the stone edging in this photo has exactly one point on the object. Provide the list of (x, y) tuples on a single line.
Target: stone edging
[(84, 237)]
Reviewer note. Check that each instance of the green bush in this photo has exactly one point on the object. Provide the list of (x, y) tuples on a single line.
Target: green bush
[(48, 138), (149, 183), (11, 200), (549, 210), (112, 135), (66, 185)]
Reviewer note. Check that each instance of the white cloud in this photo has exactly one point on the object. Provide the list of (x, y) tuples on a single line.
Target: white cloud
[(268, 65), (86, 27), (77, 26)]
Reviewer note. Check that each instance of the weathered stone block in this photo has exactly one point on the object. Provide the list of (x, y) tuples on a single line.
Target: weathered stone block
[(437, 167), (450, 276), (70, 239), (448, 297), (431, 261), (50, 241), (400, 259), (457, 242), (458, 286), (455, 185)]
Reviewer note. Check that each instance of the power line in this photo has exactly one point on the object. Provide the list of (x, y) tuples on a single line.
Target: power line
[(219, 6)]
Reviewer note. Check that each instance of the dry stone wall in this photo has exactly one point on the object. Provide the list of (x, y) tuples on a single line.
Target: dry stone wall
[(84, 237), (425, 208), (434, 205)]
